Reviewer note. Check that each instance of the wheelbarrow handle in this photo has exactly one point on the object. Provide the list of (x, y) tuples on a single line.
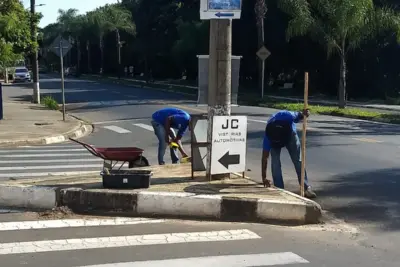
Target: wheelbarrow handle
[(88, 147)]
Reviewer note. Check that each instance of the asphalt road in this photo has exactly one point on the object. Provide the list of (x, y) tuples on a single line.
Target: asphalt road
[(58, 239), (353, 165)]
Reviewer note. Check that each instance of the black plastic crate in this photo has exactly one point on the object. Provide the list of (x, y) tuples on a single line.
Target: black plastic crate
[(127, 179)]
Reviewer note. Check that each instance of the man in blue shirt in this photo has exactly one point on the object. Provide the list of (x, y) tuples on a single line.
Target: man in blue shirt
[(164, 122), (281, 132)]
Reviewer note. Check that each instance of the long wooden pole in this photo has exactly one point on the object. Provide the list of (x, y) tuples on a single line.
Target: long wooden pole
[(303, 138)]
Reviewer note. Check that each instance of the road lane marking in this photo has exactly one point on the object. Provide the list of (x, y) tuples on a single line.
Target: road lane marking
[(39, 148), (116, 121), (44, 174), (248, 260), (5, 211), (124, 241), (117, 129), (49, 167), (368, 140), (44, 155), (42, 150), (144, 126), (49, 161), (45, 224)]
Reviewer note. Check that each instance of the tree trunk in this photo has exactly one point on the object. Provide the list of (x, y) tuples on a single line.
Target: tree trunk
[(78, 62), (101, 55), (88, 56), (342, 81)]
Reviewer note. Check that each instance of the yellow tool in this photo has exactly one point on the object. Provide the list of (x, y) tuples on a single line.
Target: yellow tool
[(173, 145), (186, 159)]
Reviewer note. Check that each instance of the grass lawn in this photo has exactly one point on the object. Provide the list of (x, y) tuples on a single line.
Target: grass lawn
[(334, 111)]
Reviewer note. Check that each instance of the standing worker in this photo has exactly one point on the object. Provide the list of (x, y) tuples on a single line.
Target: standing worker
[(281, 132), (164, 122)]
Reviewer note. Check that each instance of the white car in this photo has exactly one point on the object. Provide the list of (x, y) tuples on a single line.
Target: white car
[(22, 74)]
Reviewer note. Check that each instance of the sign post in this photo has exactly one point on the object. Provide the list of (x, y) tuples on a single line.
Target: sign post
[(221, 13), (229, 136), (303, 137), (61, 47), (263, 53)]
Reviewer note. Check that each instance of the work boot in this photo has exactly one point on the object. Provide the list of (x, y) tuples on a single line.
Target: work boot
[(309, 193)]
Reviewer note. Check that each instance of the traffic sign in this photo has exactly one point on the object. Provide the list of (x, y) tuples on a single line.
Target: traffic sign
[(263, 53), (228, 144), (55, 46), (220, 9)]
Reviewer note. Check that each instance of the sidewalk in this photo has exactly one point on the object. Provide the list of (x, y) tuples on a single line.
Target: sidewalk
[(31, 124), (172, 194)]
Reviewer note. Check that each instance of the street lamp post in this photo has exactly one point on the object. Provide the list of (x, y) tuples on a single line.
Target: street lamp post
[(34, 56)]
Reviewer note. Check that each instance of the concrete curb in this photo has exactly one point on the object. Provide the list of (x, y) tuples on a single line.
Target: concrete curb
[(82, 130), (166, 204), (33, 197)]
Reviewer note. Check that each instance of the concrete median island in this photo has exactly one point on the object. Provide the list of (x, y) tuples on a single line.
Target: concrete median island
[(172, 194)]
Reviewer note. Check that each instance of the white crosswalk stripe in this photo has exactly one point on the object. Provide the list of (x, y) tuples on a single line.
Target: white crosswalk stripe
[(127, 128), (117, 129), (86, 237), (249, 260), (144, 126), (36, 161)]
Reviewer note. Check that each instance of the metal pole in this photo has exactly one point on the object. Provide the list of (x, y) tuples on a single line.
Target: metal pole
[(262, 78), (34, 58), (1, 102), (62, 78), (219, 79)]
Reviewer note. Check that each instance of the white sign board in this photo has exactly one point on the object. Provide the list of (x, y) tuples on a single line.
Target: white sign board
[(55, 46), (263, 53), (220, 9), (229, 138)]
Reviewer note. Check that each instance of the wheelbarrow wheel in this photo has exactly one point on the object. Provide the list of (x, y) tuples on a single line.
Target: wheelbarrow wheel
[(139, 162)]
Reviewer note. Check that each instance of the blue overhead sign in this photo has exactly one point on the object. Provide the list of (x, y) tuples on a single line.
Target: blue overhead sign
[(220, 9), (224, 4)]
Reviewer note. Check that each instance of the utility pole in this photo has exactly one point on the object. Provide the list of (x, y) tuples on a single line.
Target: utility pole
[(34, 56), (219, 79), (119, 52)]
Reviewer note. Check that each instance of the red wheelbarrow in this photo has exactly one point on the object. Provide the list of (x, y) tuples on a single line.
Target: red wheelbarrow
[(117, 178)]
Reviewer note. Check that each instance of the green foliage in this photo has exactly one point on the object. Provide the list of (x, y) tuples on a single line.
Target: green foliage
[(163, 37), (50, 103), (15, 36), (340, 25)]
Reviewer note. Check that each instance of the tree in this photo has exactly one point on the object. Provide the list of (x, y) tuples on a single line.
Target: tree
[(15, 36), (109, 18), (339, 25)]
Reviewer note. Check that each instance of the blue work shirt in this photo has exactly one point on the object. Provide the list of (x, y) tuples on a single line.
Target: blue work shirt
[(283, 115), (180, 119)]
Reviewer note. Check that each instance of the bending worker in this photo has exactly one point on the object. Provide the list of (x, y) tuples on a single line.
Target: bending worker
[(281, 132), (164, 122)]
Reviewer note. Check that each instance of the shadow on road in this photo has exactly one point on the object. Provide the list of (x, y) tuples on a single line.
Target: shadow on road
[(355, 127), (77, 91), (365, 196)]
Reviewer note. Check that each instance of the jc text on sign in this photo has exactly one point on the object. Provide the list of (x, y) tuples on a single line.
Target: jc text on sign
[(229, 138)]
